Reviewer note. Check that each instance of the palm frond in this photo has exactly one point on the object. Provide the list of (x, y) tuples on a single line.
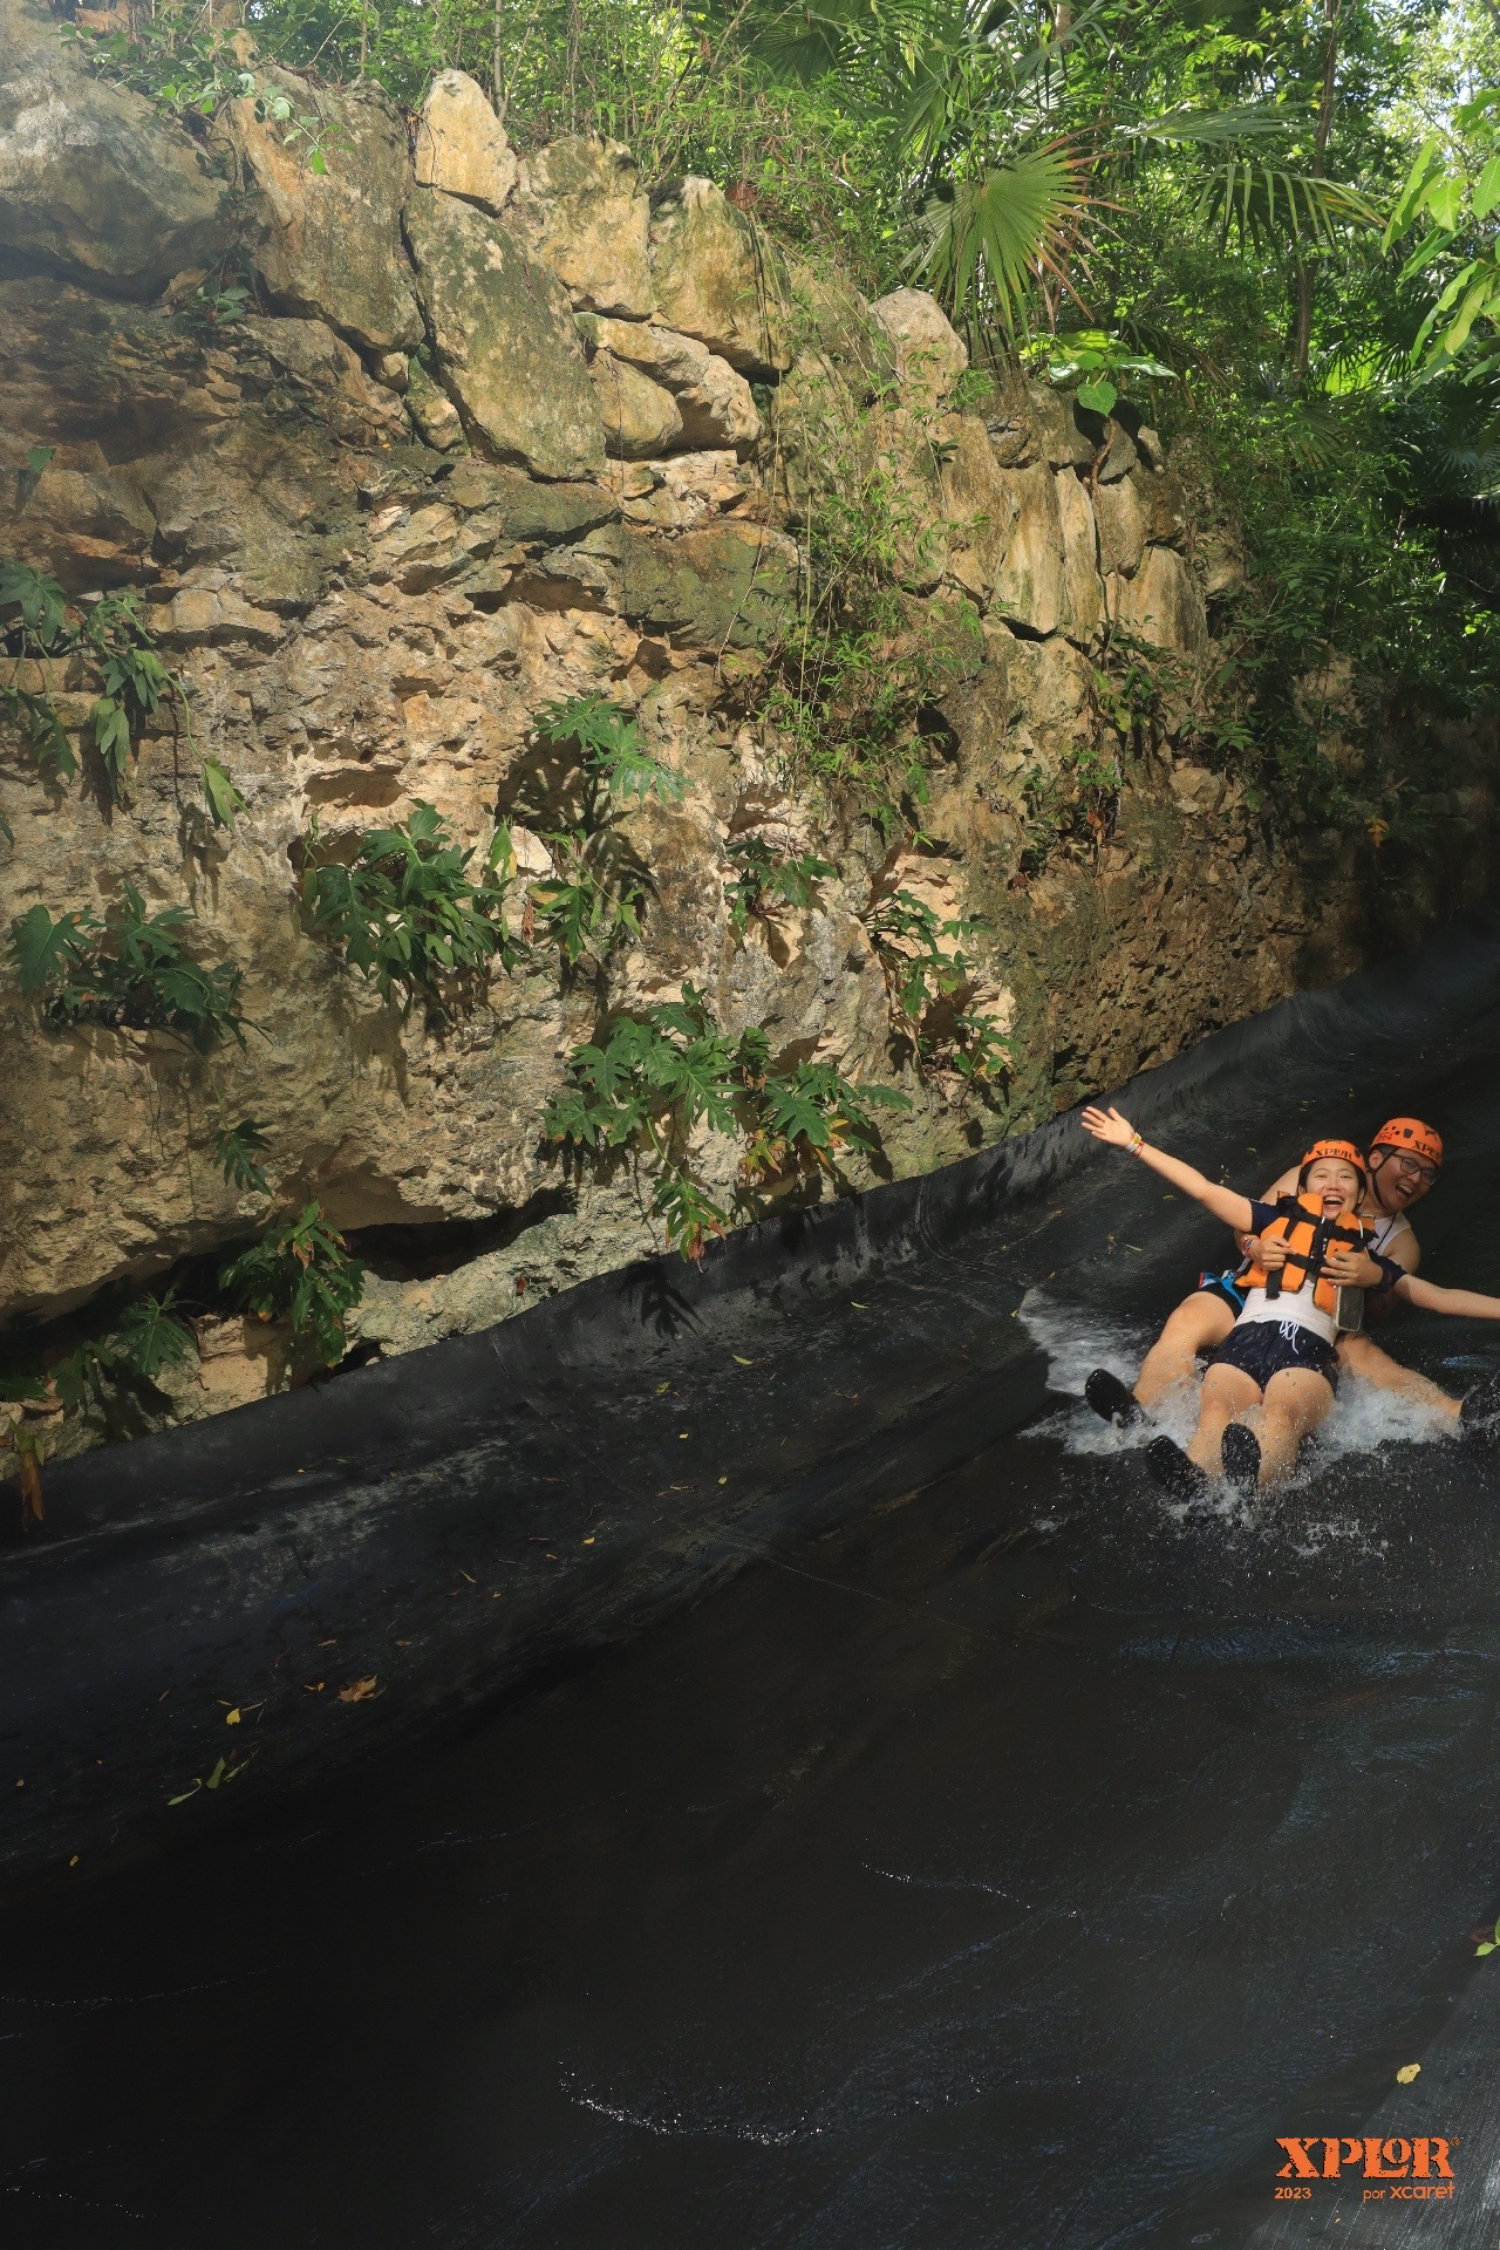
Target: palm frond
[(984, 249), (1269, 205), (797, 44), (1212, 128)]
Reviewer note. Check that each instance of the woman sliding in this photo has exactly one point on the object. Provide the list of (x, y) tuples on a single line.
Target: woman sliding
[(1271, 1382)]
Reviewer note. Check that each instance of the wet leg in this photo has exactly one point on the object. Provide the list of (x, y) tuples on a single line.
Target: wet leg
[(1229, 1394), (1372, 1365), (1296, 1401), (1200, 1322)]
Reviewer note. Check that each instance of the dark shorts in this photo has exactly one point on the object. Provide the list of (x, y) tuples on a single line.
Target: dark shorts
[(1262, 1348)]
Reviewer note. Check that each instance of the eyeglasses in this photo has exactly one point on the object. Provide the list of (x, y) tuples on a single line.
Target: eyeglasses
[(1412, 1167)]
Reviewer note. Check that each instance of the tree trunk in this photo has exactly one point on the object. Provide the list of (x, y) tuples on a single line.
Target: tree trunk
[(1303, 310)]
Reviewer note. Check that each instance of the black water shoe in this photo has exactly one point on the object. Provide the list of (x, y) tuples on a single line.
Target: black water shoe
[(1112, 1400), (1240, 1454), (1479, 1416), (1173, 1471)]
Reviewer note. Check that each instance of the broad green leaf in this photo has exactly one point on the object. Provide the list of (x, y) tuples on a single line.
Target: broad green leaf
[(982, 248), (150, 1336), (225, 803), (44, 950), (1446, 203), (236, 1148), (1424, 171), (40, 600), (1098, 395)]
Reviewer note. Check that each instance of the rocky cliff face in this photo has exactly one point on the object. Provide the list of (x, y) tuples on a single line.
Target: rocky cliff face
[(490, 434)]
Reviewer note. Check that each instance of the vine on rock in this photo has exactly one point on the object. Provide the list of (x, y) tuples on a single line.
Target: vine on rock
[(594, 902), (107, 636), (664, 1072), (129, 970), (408, 915)]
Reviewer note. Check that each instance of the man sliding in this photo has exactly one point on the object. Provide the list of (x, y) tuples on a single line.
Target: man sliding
[(1271, 1382), (1403, 1165)]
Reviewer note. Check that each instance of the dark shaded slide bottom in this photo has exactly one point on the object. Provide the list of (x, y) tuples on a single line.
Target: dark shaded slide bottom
[(1005, 1866)]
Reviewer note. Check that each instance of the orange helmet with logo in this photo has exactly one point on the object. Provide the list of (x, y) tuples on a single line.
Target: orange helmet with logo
[(1410, 1133), (1344, 1152)]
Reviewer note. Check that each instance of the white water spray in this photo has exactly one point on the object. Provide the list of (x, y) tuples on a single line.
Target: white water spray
[(1364, 1420)]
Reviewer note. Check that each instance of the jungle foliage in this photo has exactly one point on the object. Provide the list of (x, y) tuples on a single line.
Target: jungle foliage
[(304, 1272), (129, 969), (408, 913), (661, 1074), (1272, 231), (592, 903)]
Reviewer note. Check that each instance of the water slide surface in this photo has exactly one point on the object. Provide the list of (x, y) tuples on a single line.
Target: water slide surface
[(813, 1792)]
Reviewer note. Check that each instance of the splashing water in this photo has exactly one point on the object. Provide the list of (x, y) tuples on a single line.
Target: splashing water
[(1364, 1420)]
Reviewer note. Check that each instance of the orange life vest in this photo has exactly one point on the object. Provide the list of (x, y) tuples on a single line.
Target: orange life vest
[(1300, 1224)]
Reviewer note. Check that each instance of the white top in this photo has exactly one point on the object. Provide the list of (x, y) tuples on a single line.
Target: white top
[(1293, 1310)]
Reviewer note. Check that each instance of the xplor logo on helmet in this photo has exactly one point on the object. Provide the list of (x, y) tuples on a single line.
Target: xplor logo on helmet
[(1418, 2170)]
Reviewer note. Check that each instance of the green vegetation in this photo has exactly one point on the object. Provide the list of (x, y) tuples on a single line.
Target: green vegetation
[(850, 685), (763, 884), (225, 804), (190, 70), (594, 903), (113, 1371), (106, 638), (305, 1272), (408, 915), (148, 1338), (1293, 208), (670, 1069), (38, 624), (1450, 194), (130, 969), (929, 978), (237, 1150), (1096, 364), (1270, 234)]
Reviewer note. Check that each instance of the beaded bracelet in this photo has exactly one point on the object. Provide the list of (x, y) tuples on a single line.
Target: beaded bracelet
[(1135, 1144)]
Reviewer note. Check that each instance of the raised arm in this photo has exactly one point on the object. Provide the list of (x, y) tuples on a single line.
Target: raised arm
[(1115, 1131), (1462, 1304)]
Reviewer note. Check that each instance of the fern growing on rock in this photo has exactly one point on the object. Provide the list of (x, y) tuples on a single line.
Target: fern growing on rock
[(663, 1072), (130, 970), (594, 902), (304, 1272), (409, 915)]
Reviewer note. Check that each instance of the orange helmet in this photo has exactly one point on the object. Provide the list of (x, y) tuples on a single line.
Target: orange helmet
[(1344, 1152), (1410, 1133)]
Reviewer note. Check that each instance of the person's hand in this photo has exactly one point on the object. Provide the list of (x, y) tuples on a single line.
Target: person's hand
[(1109, 1126), (1351, 1268), (1269, 1251)]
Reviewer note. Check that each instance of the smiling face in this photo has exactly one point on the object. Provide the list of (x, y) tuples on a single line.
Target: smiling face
[(1399, 1179), (1336, 1184)]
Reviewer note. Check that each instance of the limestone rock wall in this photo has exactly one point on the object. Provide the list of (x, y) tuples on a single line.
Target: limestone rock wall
[(496, 432)]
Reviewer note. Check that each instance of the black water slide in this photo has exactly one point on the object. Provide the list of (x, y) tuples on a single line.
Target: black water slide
[(717, 1763)]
